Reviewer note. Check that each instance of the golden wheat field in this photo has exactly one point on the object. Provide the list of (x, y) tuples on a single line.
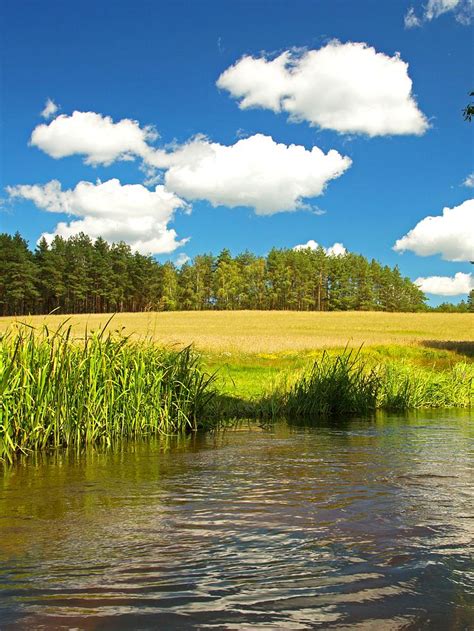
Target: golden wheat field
[(276, 331)]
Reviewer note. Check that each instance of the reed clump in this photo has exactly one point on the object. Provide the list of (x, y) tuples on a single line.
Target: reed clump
[(59, 391), (351, 384)]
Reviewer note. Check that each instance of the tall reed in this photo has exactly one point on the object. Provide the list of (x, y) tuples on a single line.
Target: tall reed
[(404, 386), (334, 385), (59, 391)]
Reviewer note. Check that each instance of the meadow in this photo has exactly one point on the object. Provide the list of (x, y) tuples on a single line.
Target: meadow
[(251, 349), (277, 332)]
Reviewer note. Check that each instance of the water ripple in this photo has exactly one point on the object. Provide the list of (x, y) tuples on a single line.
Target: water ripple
[(367, 526)]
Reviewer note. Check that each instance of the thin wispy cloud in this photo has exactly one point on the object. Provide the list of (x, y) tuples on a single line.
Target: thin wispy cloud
[(411, 20), (462, 10), (469, 181), (49, 109)]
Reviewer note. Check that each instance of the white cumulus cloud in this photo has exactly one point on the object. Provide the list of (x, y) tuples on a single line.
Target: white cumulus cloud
[(257, 171), (446, 285), (94, 136), (450, 234), (116, 212), (350, 88), (337, 249), (49, 109)]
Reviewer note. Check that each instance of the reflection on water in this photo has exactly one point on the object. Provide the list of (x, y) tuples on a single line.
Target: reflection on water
[(367, 525)]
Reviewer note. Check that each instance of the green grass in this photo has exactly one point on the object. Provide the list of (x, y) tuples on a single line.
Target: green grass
[(58, 391)]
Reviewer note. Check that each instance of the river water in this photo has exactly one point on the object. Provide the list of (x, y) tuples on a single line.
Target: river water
[(362, 525)]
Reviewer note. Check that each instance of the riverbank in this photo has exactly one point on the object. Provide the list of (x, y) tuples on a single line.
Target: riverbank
[(63, 385), (341, 382)]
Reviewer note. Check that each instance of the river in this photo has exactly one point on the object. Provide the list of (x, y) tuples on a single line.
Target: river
[(365, 524)]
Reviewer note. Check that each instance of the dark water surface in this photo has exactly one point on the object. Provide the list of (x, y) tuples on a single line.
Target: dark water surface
[(367, 525)]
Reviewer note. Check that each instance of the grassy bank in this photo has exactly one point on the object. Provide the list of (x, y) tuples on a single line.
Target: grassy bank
[(59, 391), (351, 383)]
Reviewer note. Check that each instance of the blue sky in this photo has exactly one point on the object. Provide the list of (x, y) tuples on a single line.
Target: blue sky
[(157, 63)]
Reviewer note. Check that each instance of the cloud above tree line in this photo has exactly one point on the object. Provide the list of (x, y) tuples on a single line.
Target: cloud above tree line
[(450, 234), (255, 172), (116, 212), (347, 87), (457, 285), (337, 249), (350, 88)]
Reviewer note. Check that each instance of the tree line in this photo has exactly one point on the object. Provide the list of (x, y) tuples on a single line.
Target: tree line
[(79, 275)]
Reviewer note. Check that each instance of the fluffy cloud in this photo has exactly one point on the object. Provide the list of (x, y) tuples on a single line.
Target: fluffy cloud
[(182, 259), (350, 88), (462, 9), (450, 234), (256, 171), (131, 212), (446, 285), (469, 181), (337, 249), (96, 137), (50, 109)]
